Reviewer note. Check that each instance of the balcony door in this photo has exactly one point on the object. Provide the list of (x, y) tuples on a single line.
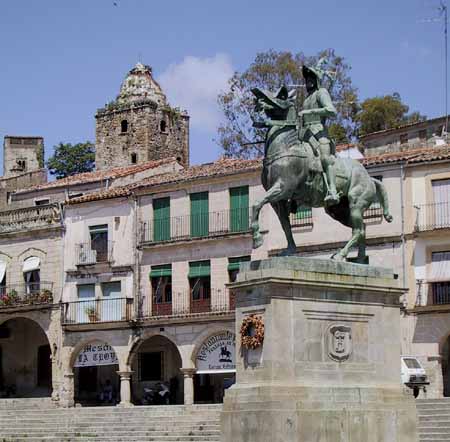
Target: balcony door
[(200, 286), (32, 275), (112, 306), (86, 307), (199, 214), (441, 198), (161, 278), (161, 219), (99, 242), (239, 216)]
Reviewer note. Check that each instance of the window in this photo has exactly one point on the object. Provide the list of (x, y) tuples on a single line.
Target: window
[(302, 217), (199, 214), (161, 278), (403, 138), (151, 366), (32, 275), (112, 290), (75, 195), (239, 216), (441, 199), (233, 266), (133, 158), (163, 126), (86, 291), (161, 219), (42, 202), (86, 309), (200, 286), (99, 241), (423, 134), (124, 126), (112, 307), (21, 164), (440, 277)]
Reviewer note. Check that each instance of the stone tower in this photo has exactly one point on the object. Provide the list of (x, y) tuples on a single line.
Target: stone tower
[(22, 155), (140, 125)]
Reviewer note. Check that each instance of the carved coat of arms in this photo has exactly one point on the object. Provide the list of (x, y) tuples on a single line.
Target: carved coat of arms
[(339, 342)]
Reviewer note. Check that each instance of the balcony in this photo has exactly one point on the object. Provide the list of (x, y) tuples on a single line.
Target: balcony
[(97, 311), (432, 216), (30, 218), (189, 227), (85, 254), (26, 294), (432, 296), (184, 305)]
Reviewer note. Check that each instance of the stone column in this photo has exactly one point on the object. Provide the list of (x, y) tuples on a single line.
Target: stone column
[(125, 388), (188, 374), (67, 398)]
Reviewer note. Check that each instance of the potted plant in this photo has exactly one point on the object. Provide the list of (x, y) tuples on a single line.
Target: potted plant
[(92, 314)]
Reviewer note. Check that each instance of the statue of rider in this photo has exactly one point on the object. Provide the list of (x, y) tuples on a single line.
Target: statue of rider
[(317, 107)]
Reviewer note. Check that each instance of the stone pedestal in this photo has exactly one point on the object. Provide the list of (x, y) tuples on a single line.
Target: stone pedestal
[(329, 367)]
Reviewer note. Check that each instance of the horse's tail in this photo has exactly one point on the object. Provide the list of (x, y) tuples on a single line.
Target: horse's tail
[(383, 199)]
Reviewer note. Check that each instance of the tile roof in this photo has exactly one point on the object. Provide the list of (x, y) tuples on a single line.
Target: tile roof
[(342, 147), (99, 175), (419, 155), (222, 167)]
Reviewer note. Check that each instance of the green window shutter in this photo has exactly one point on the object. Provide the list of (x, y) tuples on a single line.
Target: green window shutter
[(199, 268), (234, 263), (161, 219), (161, 270), (199, 214), (239, 217)]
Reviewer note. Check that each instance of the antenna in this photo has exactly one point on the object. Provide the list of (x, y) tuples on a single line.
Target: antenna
[(443, 16)]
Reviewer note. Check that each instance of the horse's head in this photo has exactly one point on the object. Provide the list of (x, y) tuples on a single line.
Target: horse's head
[(275, 106)]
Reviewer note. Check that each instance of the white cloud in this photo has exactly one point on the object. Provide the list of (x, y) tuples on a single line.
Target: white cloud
[(194, 83)]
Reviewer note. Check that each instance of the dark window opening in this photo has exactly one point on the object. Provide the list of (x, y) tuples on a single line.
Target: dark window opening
[(41, 202), (133, 158), (32, 281), (200, 288), (423, 134), (21, 164), (3, 285), (163, 126), (124, 126), (99, 241), (151, 366), (404, 139), (162, 289)]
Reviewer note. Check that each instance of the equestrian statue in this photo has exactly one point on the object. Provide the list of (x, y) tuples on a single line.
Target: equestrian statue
[(300, 168)]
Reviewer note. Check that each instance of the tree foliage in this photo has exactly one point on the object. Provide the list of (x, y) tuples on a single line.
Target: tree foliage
[(71, 159), (385, 112), (270, 70)]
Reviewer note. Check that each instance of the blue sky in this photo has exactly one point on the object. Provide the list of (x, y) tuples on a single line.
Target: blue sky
[(60, 60)]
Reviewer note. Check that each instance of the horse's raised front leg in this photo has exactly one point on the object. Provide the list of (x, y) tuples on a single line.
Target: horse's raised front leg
[(274, 194), (358, 234)]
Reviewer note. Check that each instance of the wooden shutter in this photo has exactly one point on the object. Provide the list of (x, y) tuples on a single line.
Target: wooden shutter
[(199, 214), (161, 219), (239, 217)]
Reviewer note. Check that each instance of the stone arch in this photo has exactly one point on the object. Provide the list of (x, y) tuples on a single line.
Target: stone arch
[(38, 321), (31, 251), (202, 337), (139, 340), (5, 257)]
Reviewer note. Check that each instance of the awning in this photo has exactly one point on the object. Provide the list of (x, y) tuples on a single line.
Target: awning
[(2, 270), (30, 264), (234, 263), (440, 267), (199, 268), (161, 270)]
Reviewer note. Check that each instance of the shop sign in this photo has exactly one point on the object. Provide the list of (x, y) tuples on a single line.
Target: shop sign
[(96, 354), (217, 354)]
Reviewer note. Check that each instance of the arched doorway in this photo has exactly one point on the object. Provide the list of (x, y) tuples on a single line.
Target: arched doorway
[(216, 367), (25, 360), (156, 361), (95, 375)]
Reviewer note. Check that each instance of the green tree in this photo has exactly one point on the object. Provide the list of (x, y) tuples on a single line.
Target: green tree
[(71, 159), (385, 112), (269, 71)]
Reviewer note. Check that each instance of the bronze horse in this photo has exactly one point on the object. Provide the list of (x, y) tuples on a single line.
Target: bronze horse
[(292, 177)]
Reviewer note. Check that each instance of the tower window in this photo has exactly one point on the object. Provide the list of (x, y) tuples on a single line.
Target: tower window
[(21, 164), (133, 158), (124, 126), (163, 126)]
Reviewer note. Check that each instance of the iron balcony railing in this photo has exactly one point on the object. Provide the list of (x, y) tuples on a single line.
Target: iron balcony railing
[(187, 304), (432, 293), (302, 218), (86, 253), (29, 218), (202, 225), (26, 294), (97, 311), (432, 216)]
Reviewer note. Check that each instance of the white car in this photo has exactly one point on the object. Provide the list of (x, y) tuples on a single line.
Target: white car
[(413, 374)]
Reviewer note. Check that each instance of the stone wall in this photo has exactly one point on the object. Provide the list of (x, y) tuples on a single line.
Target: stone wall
[(22, 154), (144, 138)]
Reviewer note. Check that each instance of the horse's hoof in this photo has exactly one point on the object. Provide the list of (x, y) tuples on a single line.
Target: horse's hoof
[(389, 218), (257, 242), (338, 257)]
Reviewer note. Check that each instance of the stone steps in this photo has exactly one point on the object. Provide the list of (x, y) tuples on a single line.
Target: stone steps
[(434, 420), (194, 423)]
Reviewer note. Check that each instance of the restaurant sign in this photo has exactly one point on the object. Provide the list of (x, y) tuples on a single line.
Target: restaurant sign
[(97, 353), (217, 354)]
